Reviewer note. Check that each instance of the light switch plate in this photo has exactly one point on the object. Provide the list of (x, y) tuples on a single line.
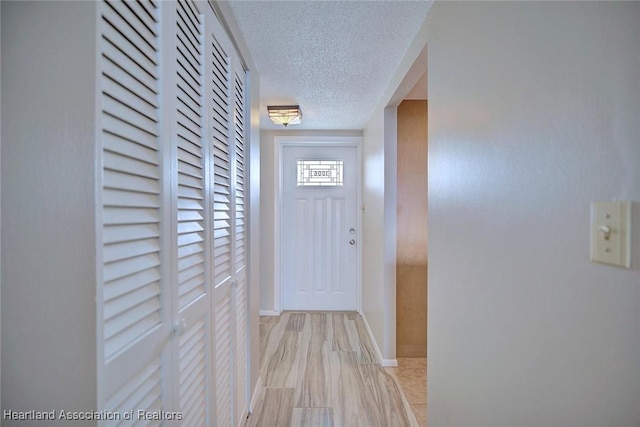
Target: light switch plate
[(611, 233)]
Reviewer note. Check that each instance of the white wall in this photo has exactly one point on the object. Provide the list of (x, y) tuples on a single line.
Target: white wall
[(379, 196), (267, 205), (48, 243), (533, 114), (373, 226)]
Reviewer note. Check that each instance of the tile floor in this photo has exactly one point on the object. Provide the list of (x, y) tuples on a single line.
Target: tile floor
[(320, 370), (411, 373)]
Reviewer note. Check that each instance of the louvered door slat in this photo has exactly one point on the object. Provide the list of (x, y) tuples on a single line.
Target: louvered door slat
[(128, 199), (190, 288), (143, 14), (138, 21), (129, 115), (193, 374), (223, 367), (149, 7), (116, 131), (199, 257), (119, 16), (189, 216), (144, 316), (122, 304), (130, 182), (190, 227), (139, 56), (187, 204), (190, 150), (190, 17), (190, 253), (124, 146), (116, 271), (218, 115), (126, 80), (133, 166), (190, 190), (220, 85), (117, 56), (220, 76), (240, 172), (188, 274), (188, 81), (191, 181), (189, 34), (189, 120), (132, 283), (188, 44), (188, 123), (130, 233), (129, 249), (193, 12), (115, 214), (220, 62), (190, 164), (143, 387), (132, 100), (190, 108)]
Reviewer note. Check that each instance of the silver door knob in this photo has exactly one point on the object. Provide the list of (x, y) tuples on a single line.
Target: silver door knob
[(352, 242)]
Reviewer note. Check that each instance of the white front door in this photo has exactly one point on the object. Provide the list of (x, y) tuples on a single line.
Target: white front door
[(318, 226)]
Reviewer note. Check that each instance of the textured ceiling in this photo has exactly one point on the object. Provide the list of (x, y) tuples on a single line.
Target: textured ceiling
[(333, 58)]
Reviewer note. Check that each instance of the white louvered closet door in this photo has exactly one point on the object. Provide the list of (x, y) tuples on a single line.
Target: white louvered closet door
[(223, 310), (193, 240), (173, 304), (133, 309), (241, 300), (227, 118)]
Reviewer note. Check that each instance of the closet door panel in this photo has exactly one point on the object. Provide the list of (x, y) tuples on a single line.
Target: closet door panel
[(192, 230), (172, 303), (241, 301), (219, 69), (133, 303)]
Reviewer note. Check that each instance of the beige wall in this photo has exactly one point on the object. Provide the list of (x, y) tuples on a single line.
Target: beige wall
[(48, 207), (379, 196), (533, 114)]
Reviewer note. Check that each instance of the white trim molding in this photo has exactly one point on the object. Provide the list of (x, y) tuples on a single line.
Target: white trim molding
[(384, 362), (269, 313), (255, 396)]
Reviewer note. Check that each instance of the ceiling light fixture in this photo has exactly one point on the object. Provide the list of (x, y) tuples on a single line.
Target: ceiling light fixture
[(285, 114)]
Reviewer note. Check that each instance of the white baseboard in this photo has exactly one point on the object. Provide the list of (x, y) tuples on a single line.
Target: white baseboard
[(390, 363), (269, 313), (255, 396), (373, 341)]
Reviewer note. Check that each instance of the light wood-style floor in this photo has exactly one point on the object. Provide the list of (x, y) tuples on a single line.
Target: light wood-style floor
[(320, 370)]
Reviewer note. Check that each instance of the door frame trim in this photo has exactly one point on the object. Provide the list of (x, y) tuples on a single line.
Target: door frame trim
[(301, 141)]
